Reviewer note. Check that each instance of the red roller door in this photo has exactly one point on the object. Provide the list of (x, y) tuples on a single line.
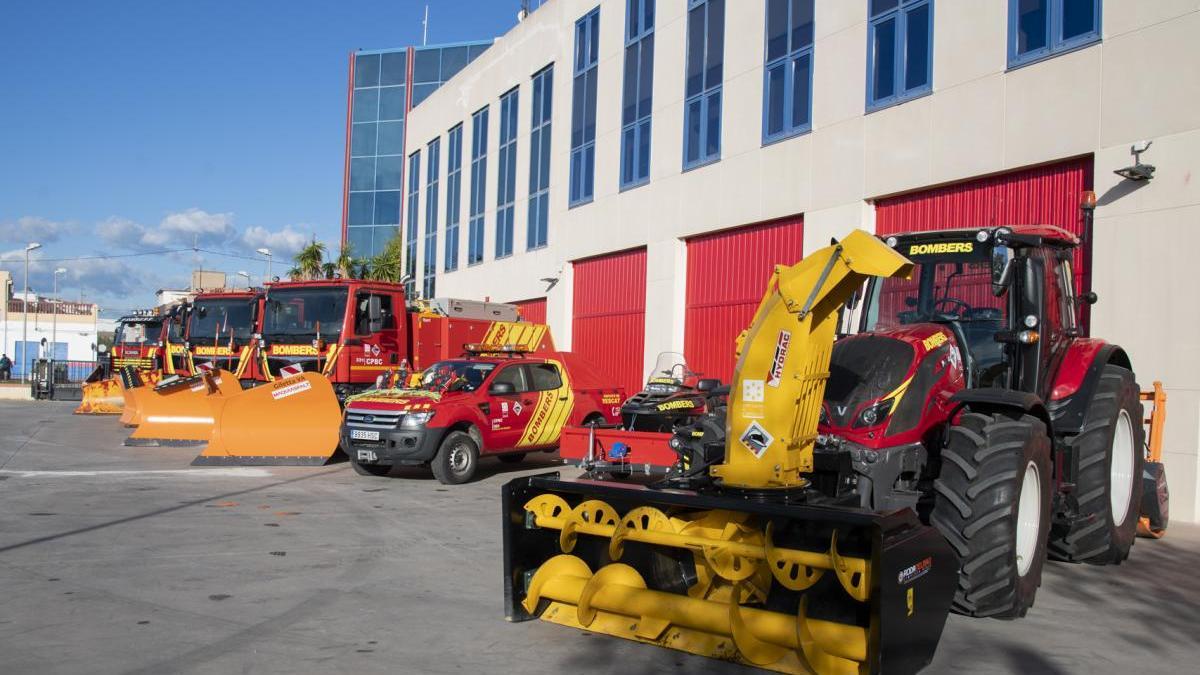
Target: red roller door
[(726, 275), (610, 315), (533, 310), (1043, 195)]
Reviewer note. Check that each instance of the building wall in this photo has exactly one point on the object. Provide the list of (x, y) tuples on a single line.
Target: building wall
[(981, 118)]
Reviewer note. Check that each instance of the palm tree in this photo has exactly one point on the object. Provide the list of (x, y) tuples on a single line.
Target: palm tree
[(310, 260), (295, 274), (389, 264), (345, 260), (328, 270)]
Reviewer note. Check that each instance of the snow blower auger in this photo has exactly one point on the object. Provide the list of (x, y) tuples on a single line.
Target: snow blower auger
[(176, 411), (291, 421), (752, 563)]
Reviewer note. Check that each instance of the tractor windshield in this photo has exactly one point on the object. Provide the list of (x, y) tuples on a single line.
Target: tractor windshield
[(305, 313), (217, 320), (461, 375), (941, 289)]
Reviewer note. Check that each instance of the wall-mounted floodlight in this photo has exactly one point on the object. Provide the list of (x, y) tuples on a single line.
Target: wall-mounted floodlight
[(1137, 171)]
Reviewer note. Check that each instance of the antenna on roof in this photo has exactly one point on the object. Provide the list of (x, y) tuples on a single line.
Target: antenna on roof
[(425, 28)]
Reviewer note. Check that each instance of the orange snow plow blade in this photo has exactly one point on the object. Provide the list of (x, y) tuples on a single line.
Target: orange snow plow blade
[(134, 384), (292, 421), (103, 397), (176, 412)]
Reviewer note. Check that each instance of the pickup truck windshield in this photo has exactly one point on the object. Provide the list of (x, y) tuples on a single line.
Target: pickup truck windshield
[(443, 374), (218, 319), (305, 313)]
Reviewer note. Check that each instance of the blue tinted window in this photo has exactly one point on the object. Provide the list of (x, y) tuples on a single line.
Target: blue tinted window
[(637, 95), (366, 105), (428, 66), (583, 108), (389, 170), (391, 138), (410, 228), (538, 222), (387, 207), (391, 103), (432, 202), (787, 88), (454, 151), (362, 208), (362, 174), (899, 51), (362, 140), (506, 189), (393, 68), (366, 70), (359, 239), (705, 65), (479, 131), (422, 92), (454, 59), (1041, 28)]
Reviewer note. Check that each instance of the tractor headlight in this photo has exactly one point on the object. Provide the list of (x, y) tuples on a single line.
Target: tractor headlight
[(415, 420), (875, 414)]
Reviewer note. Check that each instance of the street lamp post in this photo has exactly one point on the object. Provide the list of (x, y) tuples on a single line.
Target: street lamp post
[(54, 329), (247, 277), (266, 252), (25, 311)]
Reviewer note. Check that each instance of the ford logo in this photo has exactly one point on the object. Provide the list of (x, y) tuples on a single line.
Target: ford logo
[(368, 419)]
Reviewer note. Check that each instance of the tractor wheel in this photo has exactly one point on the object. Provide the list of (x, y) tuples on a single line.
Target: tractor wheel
[(992, 503), (456, 459), (370, 469), (1108, 487), (511, 458)]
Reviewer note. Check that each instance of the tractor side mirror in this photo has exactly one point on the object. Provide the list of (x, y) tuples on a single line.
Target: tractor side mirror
[(1088, 298), (707, 384), (1002, 269), (375, 313), (502, 389)]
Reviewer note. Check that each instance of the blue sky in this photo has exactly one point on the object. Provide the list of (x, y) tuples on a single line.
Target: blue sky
[(128, 127)]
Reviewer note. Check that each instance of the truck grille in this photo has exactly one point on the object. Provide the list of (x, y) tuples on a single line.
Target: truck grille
[(373, 419)]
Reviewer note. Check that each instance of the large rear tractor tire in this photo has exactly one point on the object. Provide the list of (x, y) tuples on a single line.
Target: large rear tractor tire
[(992, 503), (456, 459), (1108, 487)]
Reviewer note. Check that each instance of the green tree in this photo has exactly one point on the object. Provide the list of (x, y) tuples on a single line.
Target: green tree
[(345, 261), (310, 260), (389, 264)]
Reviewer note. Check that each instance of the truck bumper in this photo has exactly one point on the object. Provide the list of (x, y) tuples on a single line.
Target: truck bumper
[(397, 447)]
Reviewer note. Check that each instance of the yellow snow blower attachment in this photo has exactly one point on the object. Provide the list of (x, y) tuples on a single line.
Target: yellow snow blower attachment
[(176, 411), (291, 421), (753, 565)]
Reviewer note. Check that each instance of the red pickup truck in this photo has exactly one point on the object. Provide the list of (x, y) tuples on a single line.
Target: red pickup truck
[(504, 404)]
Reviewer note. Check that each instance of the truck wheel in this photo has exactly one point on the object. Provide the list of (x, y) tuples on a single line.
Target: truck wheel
[(370, 469), (456, 459), (1108, 487), (992, 503), (511, 458)]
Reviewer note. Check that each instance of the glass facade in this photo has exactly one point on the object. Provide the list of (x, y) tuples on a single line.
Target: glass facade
[(637, 97), (538, 231), (453, 195), (583, 108), (380, 98), (432, 171), (506, 187), (379, 102), (479, 131)]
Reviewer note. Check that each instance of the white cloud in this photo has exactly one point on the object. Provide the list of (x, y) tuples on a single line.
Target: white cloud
[(191, 226), (34, 228), (121, 232), (282, 243)]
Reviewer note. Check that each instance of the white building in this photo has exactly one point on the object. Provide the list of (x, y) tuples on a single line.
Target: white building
[(68, 328), (882, 114)]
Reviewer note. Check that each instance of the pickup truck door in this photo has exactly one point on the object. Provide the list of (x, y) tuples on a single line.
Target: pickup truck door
[(509, 414), (553, 402)]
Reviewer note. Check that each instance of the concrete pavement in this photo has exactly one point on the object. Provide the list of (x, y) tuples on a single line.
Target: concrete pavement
[(127, 560)]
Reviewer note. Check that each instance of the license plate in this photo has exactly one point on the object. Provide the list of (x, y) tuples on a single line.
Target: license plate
[(364, 435), (366, 456)]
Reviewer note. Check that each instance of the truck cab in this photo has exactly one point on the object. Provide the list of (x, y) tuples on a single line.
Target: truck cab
[(220, 332), (136, 341), (502, 403)]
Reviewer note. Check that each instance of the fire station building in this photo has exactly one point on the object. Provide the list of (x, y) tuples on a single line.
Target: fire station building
[(629, 171)]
